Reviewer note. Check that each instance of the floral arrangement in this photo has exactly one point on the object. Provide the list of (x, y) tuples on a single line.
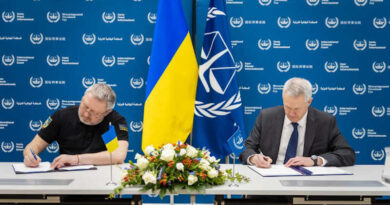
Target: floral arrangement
[(173, 167)]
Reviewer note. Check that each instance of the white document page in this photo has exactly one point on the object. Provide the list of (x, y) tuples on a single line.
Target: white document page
[(327, 171), (275, 170), (20, 167)]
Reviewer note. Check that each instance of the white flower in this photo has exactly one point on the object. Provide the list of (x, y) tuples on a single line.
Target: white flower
[(168, 146), (154, 153), (212, 173), (149, 177), (180, 166), (205, 167), (213, 159), (182, 152), (191, 151), (204, 161), (124, 174), (149, 149), (167, 155), (192, 179), (137, 156), (142, 163), (206, 153)]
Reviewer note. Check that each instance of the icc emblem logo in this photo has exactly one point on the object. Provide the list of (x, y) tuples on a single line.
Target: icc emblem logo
[(53, 104), (7, 146), (108, 61), (379, 67), (331, 22), (379, 22), (88, 82), (53, 17), (314, 88), (8, 60), (331, 67), (312, 2), (136, 83), (284, 22), (264, 44), (136, 126), (36, 38), (36, 82), (377, 155), (108, 17), (360, 45), (239, 66), (7, 103), (312, 45), (360, 2), (283, 66), (264, 88), (331, 110), (137, 39), (53, 147), (359, 89), (378, 111), (53, 60), (89, 39), (236, 22), (35, 125), (238, 142), (265, 2), (8, 16), (152, 17), (358, 133)]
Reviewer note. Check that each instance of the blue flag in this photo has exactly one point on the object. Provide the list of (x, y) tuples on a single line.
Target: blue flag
[(218, 106)]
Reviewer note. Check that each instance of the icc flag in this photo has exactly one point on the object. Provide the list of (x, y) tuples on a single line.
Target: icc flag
[(172, 78), (218, 110)]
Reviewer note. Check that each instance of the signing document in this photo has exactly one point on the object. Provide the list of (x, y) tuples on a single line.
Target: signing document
[(20, 168), (281, 171)]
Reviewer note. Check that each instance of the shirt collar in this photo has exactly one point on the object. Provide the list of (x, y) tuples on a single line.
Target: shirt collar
[(301, 123)]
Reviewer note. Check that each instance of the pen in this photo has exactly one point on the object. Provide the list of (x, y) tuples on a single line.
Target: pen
[(33, 153)]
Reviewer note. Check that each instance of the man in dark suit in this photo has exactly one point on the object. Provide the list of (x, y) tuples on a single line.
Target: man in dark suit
[(296, 134)]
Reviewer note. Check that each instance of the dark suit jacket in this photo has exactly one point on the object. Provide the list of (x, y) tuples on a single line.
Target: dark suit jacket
[(322, 137)]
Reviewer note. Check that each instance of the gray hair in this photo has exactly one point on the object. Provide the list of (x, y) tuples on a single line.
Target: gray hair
[(103, 92), (298, 86)]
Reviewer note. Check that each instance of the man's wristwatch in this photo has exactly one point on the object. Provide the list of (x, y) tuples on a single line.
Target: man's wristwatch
[(315, 159)]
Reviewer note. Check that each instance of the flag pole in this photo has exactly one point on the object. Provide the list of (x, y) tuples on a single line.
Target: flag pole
[(111, 183)]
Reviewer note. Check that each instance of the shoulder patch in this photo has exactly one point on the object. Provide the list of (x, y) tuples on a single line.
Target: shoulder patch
[(123, 127), (47, 122)]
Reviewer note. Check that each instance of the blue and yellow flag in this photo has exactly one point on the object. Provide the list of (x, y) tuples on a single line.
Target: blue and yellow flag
[(172, 79), (110, 139)]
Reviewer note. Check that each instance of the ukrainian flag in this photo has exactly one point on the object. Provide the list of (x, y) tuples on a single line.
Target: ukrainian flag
[(110, 139), (172, 79)]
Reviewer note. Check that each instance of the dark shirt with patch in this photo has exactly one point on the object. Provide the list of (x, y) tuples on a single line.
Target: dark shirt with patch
[(75, 137)]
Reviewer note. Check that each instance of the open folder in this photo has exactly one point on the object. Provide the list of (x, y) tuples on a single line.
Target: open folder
[(20, 168), (282, 171)]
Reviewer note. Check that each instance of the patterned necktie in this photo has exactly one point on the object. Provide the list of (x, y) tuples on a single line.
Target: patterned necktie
[(291, 151)]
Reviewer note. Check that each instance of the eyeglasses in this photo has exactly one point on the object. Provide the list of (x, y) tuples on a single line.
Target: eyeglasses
[(85, 108)]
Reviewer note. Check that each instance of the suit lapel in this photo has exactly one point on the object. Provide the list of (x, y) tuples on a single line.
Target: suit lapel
[(310, 131), (278, 122)]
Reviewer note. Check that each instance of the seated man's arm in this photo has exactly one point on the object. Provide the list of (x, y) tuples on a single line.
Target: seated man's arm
[(37, 145), (340, 153), (252, 145), (99, 158)]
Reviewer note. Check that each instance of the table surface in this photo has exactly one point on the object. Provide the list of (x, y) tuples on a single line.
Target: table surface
[(365, 181)]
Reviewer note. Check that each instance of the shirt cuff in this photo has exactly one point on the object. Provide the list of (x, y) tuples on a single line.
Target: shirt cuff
[(323, 161)]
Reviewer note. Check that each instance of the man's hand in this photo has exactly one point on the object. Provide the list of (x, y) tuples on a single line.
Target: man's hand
[(300, 161), (260, 161), (30, 161), (64, 160)]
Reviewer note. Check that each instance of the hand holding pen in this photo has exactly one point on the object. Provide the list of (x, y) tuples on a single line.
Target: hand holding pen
[(31, 159)]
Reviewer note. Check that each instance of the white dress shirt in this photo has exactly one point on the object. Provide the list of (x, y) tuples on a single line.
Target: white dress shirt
[(286, 134)]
